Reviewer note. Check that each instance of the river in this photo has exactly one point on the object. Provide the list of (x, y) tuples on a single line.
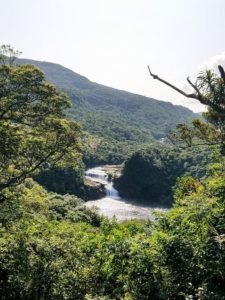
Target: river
[(113, 205)]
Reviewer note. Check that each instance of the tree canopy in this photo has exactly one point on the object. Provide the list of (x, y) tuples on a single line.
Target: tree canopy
[(34, 133), (209, 89)]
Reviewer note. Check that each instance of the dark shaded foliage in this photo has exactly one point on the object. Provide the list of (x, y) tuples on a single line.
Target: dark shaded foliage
[(150, 174)]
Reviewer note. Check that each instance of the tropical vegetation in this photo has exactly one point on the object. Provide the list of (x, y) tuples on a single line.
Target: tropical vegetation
[(53, 247)]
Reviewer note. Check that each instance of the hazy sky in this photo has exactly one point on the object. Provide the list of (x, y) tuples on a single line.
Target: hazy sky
[(112, 41)]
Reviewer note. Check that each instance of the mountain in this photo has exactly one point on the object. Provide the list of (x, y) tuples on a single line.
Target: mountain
[(112, 113)]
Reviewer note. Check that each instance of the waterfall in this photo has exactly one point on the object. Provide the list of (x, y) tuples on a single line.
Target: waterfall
[(98, 175), (111, 191)]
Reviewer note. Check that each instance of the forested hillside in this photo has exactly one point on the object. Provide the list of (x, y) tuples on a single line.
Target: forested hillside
[(114, 113)]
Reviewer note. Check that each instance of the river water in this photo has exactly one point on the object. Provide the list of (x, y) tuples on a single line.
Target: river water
[(113, 205)]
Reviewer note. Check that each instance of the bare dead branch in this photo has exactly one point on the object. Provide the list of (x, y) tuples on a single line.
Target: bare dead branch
[(192, 85), (197, 95), (192, 95), (200, 96)]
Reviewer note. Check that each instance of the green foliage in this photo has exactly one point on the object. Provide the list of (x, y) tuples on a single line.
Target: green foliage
[(210, 90), (33, 131), (27, 200), (150, 174), (69, 207), (98, 151), (197, 221), (51, 260), (51, 255), (141, 176), (30, 200), (63, 181), (186, 186)]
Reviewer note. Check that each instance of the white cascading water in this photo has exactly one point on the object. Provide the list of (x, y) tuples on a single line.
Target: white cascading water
[(111, 192), (98, 175)]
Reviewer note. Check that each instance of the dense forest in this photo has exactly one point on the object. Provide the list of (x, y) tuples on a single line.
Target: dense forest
[(150, 173), (53, 247)]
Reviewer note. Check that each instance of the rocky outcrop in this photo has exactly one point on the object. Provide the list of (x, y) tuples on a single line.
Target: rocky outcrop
[(113, 171), (93, 190)]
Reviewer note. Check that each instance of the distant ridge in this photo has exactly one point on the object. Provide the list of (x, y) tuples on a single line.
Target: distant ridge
[(114, 113)]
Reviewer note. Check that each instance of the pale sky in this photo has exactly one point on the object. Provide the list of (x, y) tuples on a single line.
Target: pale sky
[(112, 41)]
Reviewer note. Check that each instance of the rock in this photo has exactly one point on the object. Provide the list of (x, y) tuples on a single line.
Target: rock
[(113, 171), (93, 190)]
